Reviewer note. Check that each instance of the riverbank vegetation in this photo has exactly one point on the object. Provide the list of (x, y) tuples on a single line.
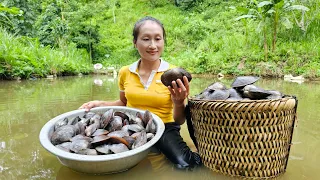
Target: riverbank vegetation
[(265, 38)]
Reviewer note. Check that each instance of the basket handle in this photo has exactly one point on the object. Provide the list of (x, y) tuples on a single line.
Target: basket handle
[(295, 119), (190, 125)]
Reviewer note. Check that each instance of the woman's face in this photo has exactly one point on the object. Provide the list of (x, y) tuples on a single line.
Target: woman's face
[(150, 42)]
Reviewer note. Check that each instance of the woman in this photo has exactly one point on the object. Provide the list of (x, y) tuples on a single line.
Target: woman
[(141, 87)]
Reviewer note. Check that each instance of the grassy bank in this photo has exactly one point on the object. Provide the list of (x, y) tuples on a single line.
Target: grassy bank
[(23, 57)]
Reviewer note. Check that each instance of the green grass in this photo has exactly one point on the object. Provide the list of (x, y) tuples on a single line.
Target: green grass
[(24, 57)]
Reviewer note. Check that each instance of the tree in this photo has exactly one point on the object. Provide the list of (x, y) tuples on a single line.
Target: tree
[(270, 14), (6, 13)]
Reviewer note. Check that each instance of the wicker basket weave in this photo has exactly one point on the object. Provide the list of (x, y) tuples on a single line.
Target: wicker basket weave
[(244, 138)]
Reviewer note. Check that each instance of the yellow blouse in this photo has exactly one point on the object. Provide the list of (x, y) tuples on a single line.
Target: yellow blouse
[(152, 96)]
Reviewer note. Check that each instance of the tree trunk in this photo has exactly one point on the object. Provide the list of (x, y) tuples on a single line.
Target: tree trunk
[(275, 26), (114, 15), (265, 45)]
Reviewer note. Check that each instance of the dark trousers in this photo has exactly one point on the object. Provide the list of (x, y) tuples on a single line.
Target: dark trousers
[(171, 144)]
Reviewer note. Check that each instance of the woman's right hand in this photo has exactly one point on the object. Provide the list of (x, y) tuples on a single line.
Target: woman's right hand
[(91, 104)]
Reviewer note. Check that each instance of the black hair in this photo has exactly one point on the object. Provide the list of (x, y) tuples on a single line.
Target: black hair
[(139, 23)]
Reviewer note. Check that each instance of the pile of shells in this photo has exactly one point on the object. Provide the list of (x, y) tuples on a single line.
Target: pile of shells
[(242, 88), (103, 133)]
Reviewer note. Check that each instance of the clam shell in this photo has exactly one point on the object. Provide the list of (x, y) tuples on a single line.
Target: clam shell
[(81, 137), (254, 92), (141, 139), (88, 152), (104, 149), (100, 132), (173, 74), (130, 141), (118, 148), (60, 123), (99, 140), (146, 117), (218, 95), (243, 81), (234, 95), (79, 145), (106, 118), (64, 146), (117, 140), (63, 134), (275, 94), (119, 133), (216, 86)]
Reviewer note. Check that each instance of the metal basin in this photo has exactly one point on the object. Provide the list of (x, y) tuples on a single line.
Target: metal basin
[(99, 164)]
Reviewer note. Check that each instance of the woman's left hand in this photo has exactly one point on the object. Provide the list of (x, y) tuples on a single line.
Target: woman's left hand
[(179, 94)]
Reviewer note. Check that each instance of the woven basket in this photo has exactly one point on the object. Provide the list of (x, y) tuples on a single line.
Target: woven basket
[(248, 139)]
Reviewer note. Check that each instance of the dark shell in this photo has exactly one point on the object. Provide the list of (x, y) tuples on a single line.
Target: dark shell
[(151, 127), (243, 81), (106, 118), (99, 140), (234, 95), (100, 132), (275, 94), (81, 137), (74, 120), (63, 134), (141, 139), (150, 136), (104, 149), (218, 95), (115, 124), (96, 118), (92, 128), (135, 127), (81, 127), (254, 92), (174, 74), (79, 145), (203, 94), (135, 135), (117, 140), (139, 115), (88, 115), (119, 133), (130, 141), (60, 123), (146, 117), (88, 152), (64, 146), (136, 120), (216, 86), (121, 114), (118, 148)]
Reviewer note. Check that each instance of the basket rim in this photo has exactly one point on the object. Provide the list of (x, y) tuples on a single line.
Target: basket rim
[(243, 100)]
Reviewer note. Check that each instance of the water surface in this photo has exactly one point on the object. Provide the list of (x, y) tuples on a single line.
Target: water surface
[(25, 106)]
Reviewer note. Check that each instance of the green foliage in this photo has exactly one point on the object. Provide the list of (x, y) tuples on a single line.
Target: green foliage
[(23, 22), (158, 3), (51, 28), (6, 14), (186, 4), (22, 57)]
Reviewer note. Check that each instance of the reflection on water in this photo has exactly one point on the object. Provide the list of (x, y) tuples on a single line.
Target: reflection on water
[(144, 170), (25, 106)]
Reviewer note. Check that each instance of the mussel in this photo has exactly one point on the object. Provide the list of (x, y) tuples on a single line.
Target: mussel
[(242, 81), (174, 74)]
